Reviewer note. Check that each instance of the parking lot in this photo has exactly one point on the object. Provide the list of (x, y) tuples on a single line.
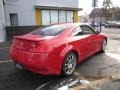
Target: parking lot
[(98, 66)]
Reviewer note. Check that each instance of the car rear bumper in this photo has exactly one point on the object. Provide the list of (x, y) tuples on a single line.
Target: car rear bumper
[(41, 63)]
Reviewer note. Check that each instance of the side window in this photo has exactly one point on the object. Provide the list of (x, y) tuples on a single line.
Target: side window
[(87, 30), (76, 31)]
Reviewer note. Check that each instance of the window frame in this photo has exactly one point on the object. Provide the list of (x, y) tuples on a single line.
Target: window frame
[(92, 29), (77, 34)]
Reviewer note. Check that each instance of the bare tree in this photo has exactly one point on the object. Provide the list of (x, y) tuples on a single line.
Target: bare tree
[(106, 9), (116, 13)]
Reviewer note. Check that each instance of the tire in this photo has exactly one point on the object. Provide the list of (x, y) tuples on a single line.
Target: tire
[(104, 44), (69, 65)]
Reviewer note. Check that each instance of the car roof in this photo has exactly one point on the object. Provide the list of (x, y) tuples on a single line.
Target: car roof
[(72, 24)]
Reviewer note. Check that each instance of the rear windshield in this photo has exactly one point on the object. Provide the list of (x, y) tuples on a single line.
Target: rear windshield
[(50, 30)]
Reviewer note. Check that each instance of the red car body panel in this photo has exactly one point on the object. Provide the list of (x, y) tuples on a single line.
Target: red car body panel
[(45, 54)]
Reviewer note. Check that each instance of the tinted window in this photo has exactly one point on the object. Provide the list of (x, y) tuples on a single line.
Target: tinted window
[(50, 30), (87, 30), (76, 31)]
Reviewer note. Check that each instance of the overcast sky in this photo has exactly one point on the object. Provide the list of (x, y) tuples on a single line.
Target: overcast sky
[(87, 5)]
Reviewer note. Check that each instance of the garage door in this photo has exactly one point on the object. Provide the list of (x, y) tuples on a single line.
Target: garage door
[(62, 16), (69, 16), (45, 17), (54, 16)]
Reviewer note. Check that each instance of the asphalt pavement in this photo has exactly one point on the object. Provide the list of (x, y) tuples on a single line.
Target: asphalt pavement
[(95, 69), (4, 51)]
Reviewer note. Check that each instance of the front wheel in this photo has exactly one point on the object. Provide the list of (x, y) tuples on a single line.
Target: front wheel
[(69, 64)]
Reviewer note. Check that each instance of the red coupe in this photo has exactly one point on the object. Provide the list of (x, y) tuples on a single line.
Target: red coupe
[(56, 49)]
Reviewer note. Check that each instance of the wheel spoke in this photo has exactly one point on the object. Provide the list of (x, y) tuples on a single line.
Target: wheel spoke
[(70, 64)]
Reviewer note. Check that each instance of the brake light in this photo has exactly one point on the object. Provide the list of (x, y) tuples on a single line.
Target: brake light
[(38, 47), (34, 45)]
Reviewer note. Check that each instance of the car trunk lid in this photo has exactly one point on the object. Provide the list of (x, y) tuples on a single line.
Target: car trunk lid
[(31, 43), (26, 42)]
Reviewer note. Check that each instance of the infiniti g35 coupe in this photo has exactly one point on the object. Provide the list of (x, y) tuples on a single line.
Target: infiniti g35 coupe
[(56, 49)]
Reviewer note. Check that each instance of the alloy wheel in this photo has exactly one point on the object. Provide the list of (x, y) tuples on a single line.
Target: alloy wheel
[(70, 64)]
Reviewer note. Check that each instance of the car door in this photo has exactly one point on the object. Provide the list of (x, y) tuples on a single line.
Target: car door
[(82, 43), (93, 39)]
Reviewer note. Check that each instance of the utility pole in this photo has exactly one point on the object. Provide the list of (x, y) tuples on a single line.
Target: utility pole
[(2, 22), (94, 4), (100, 20), (93, 13)]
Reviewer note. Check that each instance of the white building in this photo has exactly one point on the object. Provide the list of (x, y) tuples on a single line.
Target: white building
[(39, 12)]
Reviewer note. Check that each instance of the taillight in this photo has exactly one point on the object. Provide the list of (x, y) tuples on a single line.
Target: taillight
[(39, 47), (33, 46), (15, 42)]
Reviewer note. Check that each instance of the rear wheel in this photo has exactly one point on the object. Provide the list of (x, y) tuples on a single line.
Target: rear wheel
[(69, 64)]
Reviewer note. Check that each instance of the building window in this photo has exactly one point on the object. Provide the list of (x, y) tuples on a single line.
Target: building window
[(62, 16), (14, 19), (45, 17), (69, 16), (56, 16)]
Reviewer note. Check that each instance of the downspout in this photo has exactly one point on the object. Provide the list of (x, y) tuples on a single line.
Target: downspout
[(2, 32)]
